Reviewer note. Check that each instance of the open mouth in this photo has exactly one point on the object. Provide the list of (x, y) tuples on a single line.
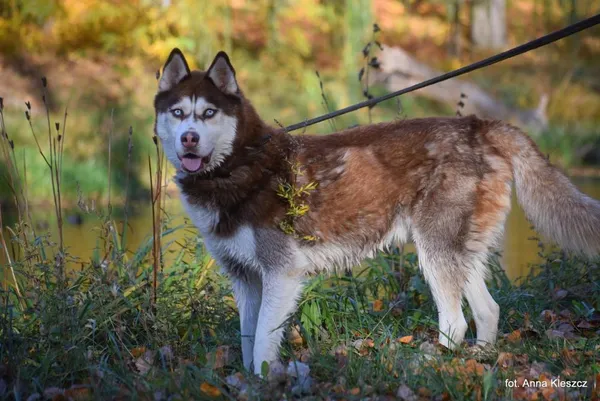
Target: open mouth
[(193, 163)]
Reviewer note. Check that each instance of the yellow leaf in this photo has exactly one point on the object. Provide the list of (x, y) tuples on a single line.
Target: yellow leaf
[(377, 305), (78, 393), (295, 337), (221, 357), (210, 390), (138, 351), (405, 339), (514, 336)]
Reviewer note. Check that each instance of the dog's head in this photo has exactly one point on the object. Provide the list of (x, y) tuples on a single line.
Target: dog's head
[(197, 113)]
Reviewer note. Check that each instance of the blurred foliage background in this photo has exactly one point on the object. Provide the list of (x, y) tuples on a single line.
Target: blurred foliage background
[(101, 58)]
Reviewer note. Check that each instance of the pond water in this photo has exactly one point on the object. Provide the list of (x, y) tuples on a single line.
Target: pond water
[(519, 250)]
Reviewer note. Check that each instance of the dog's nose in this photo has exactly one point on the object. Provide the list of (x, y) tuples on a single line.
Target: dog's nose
[(190, 139)]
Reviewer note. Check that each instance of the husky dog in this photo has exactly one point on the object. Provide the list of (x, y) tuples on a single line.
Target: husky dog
[(444, 183)]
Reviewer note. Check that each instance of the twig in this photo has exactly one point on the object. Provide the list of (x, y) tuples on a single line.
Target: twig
[(110, 132), (155, 193), (126, 211), (369, 62), (54, 174), (325, 101), (8, 259)]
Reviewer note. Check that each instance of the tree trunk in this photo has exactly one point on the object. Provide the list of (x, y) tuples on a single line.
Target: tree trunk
[(400, 70), (488, 24), (454, 44)]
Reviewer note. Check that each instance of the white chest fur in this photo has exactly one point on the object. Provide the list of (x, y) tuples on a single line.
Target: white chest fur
[(241, 246)]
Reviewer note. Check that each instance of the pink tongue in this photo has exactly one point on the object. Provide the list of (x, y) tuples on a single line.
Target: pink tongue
[(191, 164)]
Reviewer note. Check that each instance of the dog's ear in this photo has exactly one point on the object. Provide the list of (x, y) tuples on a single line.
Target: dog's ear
[(222, 74), (175, 69)]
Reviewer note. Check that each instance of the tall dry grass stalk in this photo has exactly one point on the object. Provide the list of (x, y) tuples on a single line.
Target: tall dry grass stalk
[(55, 149), (156, 193), (9, 261), (17, 182), (13, 178), (127, 178), (17, 189), (110, 135)]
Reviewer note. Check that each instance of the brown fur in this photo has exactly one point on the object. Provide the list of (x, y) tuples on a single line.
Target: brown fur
[(361, 183)]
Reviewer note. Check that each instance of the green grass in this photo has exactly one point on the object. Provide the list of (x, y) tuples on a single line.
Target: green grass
[(562, 143), (90, 332)]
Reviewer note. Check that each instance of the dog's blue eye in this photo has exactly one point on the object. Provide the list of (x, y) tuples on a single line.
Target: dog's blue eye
[(208, 113), (177, 112)]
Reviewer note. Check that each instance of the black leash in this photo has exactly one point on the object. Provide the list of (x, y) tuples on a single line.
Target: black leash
[(534, 44)]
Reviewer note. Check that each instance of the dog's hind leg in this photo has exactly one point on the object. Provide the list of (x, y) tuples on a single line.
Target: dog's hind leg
[(444, 274), (486, 311), (281, 290), (248, 294)]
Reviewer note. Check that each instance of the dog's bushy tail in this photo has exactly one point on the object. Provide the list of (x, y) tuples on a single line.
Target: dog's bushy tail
[(557, 209)]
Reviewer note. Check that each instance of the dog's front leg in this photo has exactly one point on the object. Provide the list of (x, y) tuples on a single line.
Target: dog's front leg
[(281, 290), (248, 294)]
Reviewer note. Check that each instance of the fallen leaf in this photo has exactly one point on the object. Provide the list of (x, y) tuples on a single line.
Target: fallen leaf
[(559, 294), (363, 345), (405, 339), (237, 381), (166, 353), (424, 392), (429, 348), (277, 372), (221, 357), (340, 350), (210, 390), (406, 394), (298, 370), (514, 337), (144, 362), (338, 389), (78, 393), (547, 392), (377, 305), (554, 334), (568, 372), (294, 337), (565, 313), (138, 351), (569, 357), (51, 392), (472, 366), (355, 391), (565, 327), (585, 325), (527, 321), (340, 385), (505, 359), (548, 315), (536, 369), (304, 355)]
